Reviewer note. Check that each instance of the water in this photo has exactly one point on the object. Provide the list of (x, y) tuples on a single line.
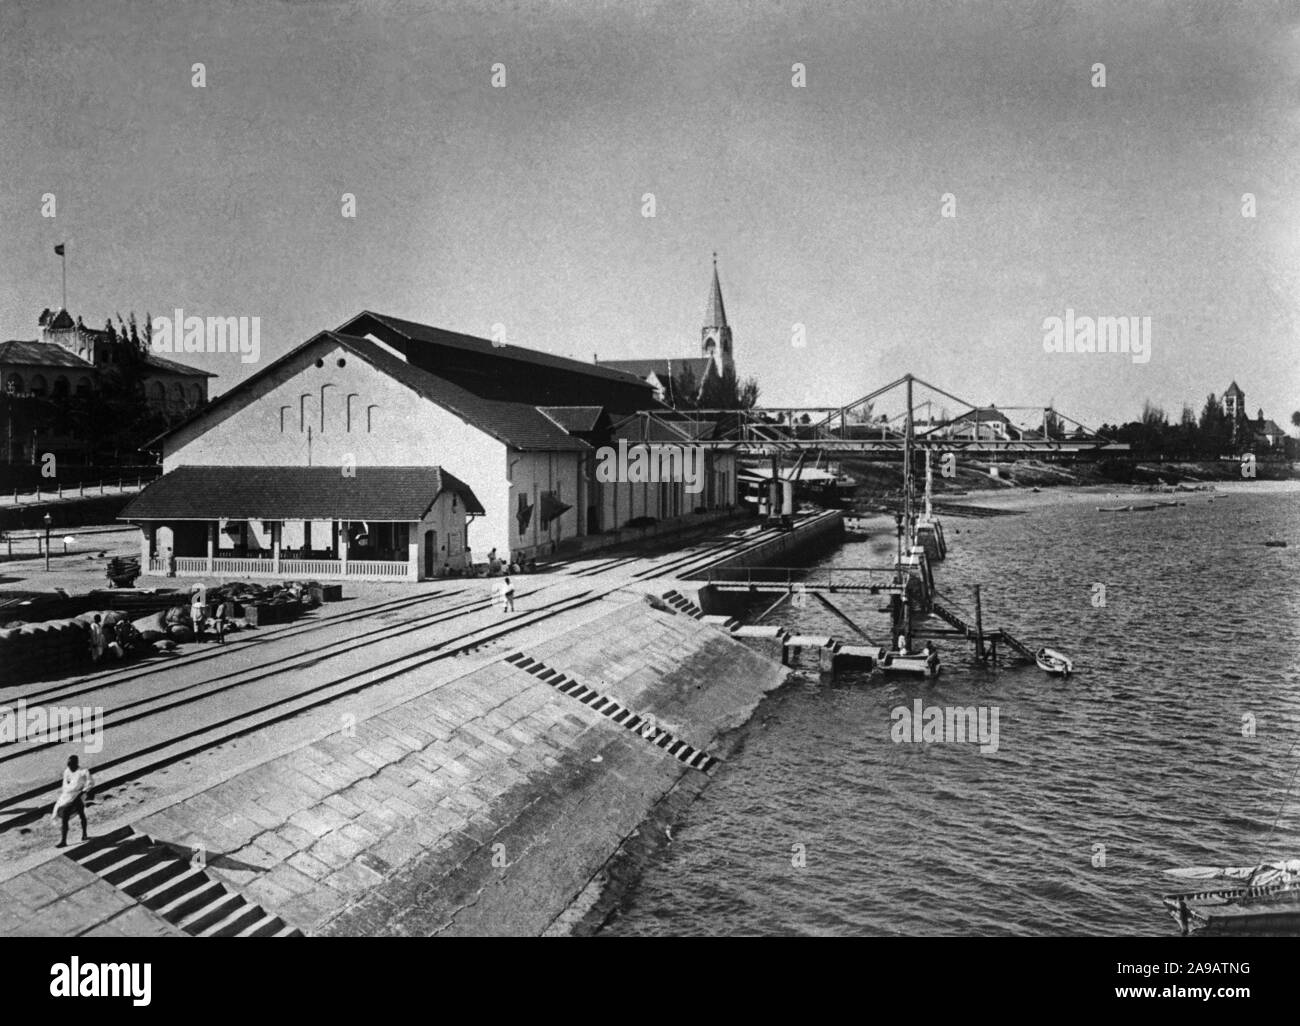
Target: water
[(1139, 757)]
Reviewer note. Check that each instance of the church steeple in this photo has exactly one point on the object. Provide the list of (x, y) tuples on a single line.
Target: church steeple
[(715, 337)]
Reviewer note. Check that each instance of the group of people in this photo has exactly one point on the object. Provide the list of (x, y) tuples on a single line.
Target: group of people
[(116, 639), (199, 614)]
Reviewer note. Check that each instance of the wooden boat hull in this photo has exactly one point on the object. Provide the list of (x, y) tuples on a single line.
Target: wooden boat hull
[(1053, 662)]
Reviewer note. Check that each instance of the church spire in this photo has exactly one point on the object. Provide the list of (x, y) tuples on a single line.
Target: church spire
[(716, 315), (715, 337)]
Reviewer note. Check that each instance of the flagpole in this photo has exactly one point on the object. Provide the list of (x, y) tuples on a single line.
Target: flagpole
[(64, 256)]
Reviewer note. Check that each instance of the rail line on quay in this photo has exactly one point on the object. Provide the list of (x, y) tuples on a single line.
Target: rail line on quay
[(147, 758), (287, 707), (251, 675)]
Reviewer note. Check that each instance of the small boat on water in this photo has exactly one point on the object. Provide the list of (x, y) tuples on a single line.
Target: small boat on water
[(1263, 899), (1113, 509), (1056, 663)]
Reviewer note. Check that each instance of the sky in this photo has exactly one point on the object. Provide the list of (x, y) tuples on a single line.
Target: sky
[(523, 205)]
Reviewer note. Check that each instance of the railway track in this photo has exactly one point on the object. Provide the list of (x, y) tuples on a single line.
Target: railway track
[(148, 758)]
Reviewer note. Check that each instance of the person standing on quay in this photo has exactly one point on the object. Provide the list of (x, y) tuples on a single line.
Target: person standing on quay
[(96, 639), (219, 620), (198, 603), (72, 800), (507, 596)]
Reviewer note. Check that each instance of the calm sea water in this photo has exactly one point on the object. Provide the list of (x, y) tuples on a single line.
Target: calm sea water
[(1139, 757)]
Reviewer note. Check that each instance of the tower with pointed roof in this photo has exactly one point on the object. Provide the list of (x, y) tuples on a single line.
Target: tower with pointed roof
[(1234, 401), (1234, 407), (715, 337)]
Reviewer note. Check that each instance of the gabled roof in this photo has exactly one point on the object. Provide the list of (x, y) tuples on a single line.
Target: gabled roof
[(985, 415), (579, 419), (438, 336), (296, 493), (515, 424), (1233, 389), (638, 428), (42, 354)]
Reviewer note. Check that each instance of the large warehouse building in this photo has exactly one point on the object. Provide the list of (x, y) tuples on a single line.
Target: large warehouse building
[(389, 449)]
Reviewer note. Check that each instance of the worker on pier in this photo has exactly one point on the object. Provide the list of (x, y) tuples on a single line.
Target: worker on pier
[(72, 799)]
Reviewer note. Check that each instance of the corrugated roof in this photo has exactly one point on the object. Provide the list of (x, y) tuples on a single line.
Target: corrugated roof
[(296, 493), (518, 425), (42, 354), (662, 367), (471, 343), (173, 367)]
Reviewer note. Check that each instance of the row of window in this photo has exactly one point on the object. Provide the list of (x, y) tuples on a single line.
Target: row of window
[(38, 385), (156, 390)]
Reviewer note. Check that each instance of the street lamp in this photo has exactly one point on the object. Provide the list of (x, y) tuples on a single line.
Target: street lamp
[(48, 521)]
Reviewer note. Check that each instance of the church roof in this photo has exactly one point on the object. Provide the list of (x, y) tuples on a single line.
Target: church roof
[(1233, 390), (662, 367), (715, 316)]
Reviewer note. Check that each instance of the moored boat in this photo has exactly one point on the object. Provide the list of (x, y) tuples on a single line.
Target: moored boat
[(1054, 662), (1259, 899)]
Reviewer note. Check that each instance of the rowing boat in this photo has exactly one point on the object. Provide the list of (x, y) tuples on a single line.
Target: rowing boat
[(1053, 662)]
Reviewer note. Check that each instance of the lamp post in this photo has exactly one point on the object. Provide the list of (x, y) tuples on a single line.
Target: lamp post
[(48, 521)]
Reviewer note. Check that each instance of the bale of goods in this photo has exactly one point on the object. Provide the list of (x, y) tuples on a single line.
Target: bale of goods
[(51, 648), (121, 572)]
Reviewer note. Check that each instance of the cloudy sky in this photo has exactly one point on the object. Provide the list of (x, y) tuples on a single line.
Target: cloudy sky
[(523, 205)]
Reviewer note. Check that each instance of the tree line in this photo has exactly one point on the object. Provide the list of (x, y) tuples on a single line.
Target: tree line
[(1205, 437)]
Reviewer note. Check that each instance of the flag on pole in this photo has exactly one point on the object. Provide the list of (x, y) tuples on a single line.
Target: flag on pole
[(58, 250)]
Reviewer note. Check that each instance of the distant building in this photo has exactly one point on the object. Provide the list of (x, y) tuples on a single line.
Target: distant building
[(985, 424), (716, 359), (1247, 434), (71, 359), (391, 449)]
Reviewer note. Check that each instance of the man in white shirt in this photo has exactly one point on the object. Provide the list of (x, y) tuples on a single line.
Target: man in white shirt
[(76, 789)]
